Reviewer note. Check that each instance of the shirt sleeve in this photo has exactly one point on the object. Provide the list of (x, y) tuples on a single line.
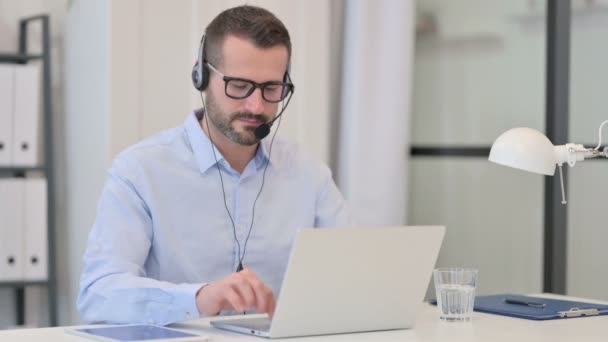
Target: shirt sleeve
[(331, 208), (114, 287)]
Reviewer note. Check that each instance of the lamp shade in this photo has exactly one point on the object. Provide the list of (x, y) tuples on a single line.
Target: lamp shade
[(526, 149)]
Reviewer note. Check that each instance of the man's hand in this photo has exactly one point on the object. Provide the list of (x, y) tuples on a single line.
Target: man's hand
[(239, 291)]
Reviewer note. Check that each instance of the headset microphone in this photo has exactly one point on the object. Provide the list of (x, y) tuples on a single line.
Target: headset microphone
[(262, 130)]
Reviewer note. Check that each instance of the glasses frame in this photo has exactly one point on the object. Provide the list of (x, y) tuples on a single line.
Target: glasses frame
[(262, 86)]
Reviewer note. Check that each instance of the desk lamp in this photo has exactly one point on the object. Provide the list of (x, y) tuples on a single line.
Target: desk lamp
[(530, 150)]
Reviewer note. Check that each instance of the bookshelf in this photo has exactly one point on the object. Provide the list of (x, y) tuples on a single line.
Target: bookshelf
[(46, 168)]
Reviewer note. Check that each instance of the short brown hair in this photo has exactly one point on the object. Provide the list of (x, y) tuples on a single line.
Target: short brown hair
[(260, 26)]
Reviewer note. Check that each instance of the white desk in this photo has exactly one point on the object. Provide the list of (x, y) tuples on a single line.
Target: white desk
[(484, 327)]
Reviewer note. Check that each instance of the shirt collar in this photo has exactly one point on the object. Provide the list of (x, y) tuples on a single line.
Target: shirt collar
[(201, 145)]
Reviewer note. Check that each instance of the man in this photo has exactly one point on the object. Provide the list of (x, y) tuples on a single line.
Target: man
[(180, 232)]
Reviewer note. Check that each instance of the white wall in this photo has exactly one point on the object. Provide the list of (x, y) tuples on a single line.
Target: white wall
[(88, 98), (151, 56), (375, 114)]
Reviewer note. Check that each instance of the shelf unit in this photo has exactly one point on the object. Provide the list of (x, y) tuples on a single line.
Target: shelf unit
[(23, 57)]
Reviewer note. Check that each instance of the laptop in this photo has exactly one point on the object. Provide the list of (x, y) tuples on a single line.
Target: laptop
[(344, 280)]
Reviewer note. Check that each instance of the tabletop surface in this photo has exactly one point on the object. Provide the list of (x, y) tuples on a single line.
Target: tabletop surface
[(483, 327)]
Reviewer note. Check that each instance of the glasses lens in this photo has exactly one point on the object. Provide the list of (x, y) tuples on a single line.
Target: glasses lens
[(275, 92), (238, 88)]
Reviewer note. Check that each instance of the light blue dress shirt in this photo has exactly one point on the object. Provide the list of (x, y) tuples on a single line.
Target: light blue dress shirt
[(162, 231)]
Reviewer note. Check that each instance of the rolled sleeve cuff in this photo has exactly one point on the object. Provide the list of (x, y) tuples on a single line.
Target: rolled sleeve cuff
[(184, 297)]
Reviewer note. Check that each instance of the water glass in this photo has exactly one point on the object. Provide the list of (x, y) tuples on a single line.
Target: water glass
[(455, 290)]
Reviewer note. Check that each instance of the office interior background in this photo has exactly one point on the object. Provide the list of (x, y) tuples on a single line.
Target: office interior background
[(396, 96)]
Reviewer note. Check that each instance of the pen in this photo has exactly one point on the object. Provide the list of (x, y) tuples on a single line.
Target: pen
[(523, 302)]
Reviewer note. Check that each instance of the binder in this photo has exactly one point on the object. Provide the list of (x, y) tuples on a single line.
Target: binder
[(27, 132), (7, 75), (11, 233), (536, 308), (35, 230)]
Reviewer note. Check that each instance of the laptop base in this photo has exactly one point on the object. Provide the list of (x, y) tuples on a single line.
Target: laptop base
[(251, 326)]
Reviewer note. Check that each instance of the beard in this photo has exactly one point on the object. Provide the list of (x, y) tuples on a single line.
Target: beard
[(224, 122)]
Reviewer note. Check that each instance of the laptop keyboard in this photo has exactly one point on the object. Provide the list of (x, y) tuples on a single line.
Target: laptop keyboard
[(260, 324)]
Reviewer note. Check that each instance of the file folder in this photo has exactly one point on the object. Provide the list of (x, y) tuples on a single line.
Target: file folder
[(35, 230), (6, 114), (27, 125), (536, 308), (11, 229)]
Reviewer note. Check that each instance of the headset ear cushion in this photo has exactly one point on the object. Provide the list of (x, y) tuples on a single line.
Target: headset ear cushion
[(204, 77), (200, 73), (205, 80), (194, 76)]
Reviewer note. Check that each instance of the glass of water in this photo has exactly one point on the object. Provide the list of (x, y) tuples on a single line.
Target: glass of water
[(455, 290)]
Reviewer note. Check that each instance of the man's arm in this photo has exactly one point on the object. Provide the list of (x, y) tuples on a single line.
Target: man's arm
[(113, 286), (331, 208)]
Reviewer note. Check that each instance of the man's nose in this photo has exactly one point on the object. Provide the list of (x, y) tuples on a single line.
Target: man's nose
[(255, 102)]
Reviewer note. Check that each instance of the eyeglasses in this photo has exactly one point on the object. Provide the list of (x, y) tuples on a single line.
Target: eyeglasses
[(239, 88)]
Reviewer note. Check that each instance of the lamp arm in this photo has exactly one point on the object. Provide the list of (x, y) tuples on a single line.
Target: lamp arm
[(594, 153), (572, 153)]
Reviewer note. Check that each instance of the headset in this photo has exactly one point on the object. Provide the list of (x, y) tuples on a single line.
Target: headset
[(200, 80), (200, 73)]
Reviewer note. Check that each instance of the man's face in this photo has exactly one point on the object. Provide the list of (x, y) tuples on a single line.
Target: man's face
[(238, 119)]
